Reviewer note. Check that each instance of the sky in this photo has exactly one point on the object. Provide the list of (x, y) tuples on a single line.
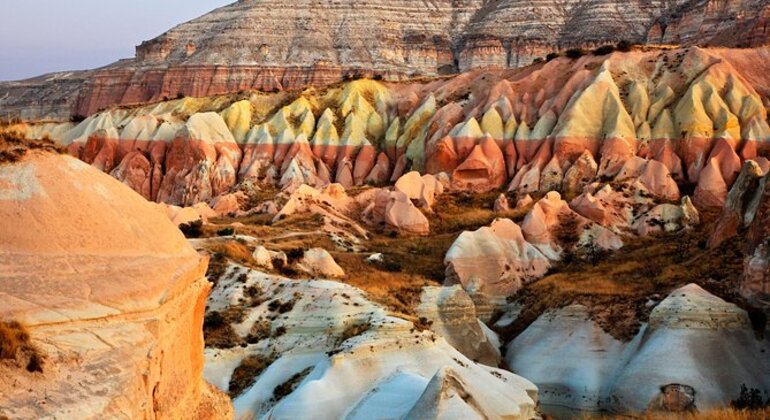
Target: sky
[(43, 36)]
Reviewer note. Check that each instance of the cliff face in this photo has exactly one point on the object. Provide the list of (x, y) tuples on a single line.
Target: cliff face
[(274, 45), (742, 23)]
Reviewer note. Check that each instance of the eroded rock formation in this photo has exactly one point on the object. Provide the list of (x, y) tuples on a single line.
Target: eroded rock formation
[(111, 293)]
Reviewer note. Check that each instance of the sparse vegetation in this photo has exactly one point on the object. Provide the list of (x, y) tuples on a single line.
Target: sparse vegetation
[(193, 229), (218, 331), (228, 231), (619, 286), (16, 345), (354, 330), (604, 50), (289, 386), (574, 53), (246, 374), (13, 146), (750, 399)]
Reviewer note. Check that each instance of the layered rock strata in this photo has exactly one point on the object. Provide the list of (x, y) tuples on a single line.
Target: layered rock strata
[(276, 45), (655, 119)]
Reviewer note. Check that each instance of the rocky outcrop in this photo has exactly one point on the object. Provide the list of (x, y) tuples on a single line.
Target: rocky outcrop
[(578, 365), (111, 293), (494, 261), (706, 23), (279, 45), (452, 314), (329, 340)]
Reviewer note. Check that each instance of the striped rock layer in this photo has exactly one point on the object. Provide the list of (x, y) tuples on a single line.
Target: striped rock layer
[(665, 117)]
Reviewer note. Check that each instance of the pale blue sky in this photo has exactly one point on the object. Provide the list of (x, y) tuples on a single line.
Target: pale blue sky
[(42, 36)]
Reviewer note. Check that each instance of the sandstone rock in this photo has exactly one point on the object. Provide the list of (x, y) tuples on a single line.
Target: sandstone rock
[(401, 214), (422, 189), (742, 192), (483, 170), (668, 218), (318, 262), (548, 214), (332, 204), (134, 302), (501, 204), (712, 189), (228, 203)]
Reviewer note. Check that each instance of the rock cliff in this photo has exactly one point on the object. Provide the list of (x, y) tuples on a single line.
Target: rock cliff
[(274, 45), (110, 292)]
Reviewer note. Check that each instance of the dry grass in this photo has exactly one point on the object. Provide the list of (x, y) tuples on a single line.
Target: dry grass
[(16, 345), (218, 330), (13, 146), (458, 212), (717, 414), (246, 374)]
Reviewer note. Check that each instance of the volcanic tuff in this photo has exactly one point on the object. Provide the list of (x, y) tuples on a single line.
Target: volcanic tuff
[(278, 44)]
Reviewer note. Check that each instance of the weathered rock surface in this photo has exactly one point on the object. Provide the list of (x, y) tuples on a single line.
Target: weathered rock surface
[(577, 365), (111, 293), (452, 315), (494, 261), (365, 363)]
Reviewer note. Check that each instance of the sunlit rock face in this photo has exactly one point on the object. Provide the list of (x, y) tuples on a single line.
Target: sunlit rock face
[(111, 293), (578, 365)]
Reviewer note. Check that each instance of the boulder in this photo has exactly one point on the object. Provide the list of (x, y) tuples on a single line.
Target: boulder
[(668, 218), (501, 204), (452, 315)]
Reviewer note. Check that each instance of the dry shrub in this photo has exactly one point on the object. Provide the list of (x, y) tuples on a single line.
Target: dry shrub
[(717, 414), (245, 375), (16, 344), (13, 146), (289, 386), (218, 331)]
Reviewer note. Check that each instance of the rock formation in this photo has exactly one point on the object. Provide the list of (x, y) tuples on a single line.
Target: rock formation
[(111, 293), (597, 123), (330, 340), (580, 366)]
